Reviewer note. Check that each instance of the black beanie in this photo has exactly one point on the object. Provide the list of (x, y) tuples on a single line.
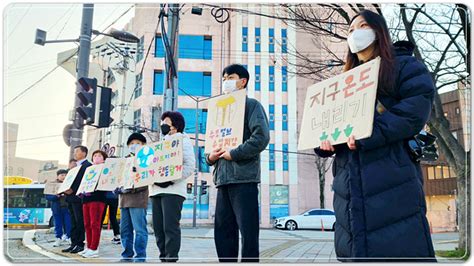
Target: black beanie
[(136, 136)]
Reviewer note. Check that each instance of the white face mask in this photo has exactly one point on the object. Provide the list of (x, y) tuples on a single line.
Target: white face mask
[(134, 148), (229, 86), (360, 39)]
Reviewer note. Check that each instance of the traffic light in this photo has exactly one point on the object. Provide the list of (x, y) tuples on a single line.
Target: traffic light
[(96, 101), (88, 99), (189, 188), (203, 187)]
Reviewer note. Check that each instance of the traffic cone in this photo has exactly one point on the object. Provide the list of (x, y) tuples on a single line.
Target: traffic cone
[(322, 225)]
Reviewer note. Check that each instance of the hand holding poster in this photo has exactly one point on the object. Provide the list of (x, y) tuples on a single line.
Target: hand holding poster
[(341, 106), (112, 174), (90, 179), (67, 183), (128, 173), (225, 121), (159, 162)]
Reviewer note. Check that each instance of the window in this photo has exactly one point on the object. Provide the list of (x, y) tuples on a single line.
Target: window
[(203, 166), (452, 173), (155, 118), (272, 116), (257, 78), (446, 172), (25, 198), (327, 212), (455, 134), (438, 172), (285, 157), (257, 39), (137, 117), (272, 157), (190, 120), (285, 117), (272, 78), (138, 85), (458, 111), (271, 40), (140, 49), (245, 36), (159, 48), (431, 173), (315, 212), (189, 46), (284, 41), (195, 47), (158, 83), (284, 78), (195, 83)]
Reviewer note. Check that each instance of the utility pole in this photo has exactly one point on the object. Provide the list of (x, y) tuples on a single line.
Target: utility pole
[(82, 71), (170, 99), (120, 145)]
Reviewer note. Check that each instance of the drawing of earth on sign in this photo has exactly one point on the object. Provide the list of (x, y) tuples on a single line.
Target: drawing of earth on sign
[(91, 175), (145, 157), (225, 111)]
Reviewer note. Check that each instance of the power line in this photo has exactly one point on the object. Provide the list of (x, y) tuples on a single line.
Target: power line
[(43, 137), (56, 67), (19, 22)]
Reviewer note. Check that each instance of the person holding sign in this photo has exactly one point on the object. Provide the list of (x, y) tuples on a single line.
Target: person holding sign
[(167, 198), (62, 219), (378, 190), (133, 204), (236, 176), (93, 205), (75, 203)]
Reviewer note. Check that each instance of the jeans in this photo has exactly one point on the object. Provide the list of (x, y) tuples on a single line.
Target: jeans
[(166, 216), (134, 219), (62, 221), (93, 222), (237, 209)]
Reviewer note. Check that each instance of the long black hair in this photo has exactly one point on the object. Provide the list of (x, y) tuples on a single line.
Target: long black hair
[(383, 48)]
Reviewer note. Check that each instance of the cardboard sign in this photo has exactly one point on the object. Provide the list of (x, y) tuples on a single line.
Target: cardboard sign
[(112, 174), (90, 179), (51, 188), (159, 162), (225, 121), (47, 176), (71, 175), (341, 106)]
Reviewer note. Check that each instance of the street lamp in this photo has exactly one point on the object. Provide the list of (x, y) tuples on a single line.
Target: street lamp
[(120, 35)]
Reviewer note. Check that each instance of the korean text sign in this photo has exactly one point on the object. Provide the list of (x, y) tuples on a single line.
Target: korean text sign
[(341, 106), (225, 121)]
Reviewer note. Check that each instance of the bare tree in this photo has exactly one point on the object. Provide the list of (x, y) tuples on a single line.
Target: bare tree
[(323, 165)]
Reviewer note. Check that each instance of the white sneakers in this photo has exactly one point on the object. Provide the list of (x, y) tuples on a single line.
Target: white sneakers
[(58, 242), (91, 253), (66, 239), (83, 252)]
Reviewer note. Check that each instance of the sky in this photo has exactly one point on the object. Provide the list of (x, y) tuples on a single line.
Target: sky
[(43, 111)]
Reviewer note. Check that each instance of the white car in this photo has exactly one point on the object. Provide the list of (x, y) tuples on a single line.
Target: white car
[(311, 219)]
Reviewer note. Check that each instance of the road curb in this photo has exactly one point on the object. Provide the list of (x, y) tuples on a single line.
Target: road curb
[(29, 242)]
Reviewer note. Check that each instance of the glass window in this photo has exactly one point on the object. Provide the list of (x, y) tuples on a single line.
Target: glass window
[(159, 48), (438, 172), (431, 172), (155, 118), (195, 47), (245, 39), (158, 83), (190, 120), (195, 83), (137, 117), (446, 172), (315, 212)]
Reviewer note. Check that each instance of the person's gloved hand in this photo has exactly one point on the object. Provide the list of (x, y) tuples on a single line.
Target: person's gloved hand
[(164, 184)]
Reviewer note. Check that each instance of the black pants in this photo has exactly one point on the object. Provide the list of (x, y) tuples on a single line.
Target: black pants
[(113, 206), (166, 216), (237, 209), (77, 224)]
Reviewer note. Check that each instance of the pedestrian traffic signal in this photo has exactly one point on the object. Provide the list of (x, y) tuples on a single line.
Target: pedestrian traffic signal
[(96, 103), (189, 188), (87, 98), (203, 187)]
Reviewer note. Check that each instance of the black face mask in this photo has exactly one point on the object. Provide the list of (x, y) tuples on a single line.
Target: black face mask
[(165, 129)]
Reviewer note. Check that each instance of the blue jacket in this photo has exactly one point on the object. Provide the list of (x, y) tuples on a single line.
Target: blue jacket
[(378, 190)]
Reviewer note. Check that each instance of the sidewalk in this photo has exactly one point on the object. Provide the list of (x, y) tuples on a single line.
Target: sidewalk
[(197, 245)]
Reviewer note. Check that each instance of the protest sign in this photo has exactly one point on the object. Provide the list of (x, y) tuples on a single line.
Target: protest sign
[(90, 179), (70, 177), (112, 174), (225, 121), (341, 106)]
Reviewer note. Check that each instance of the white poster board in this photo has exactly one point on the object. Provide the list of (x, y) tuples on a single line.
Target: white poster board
[(112, 174), (51, 188), (341, 106), (159, 162), (69, 180), (90, 179), (225, 121)]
